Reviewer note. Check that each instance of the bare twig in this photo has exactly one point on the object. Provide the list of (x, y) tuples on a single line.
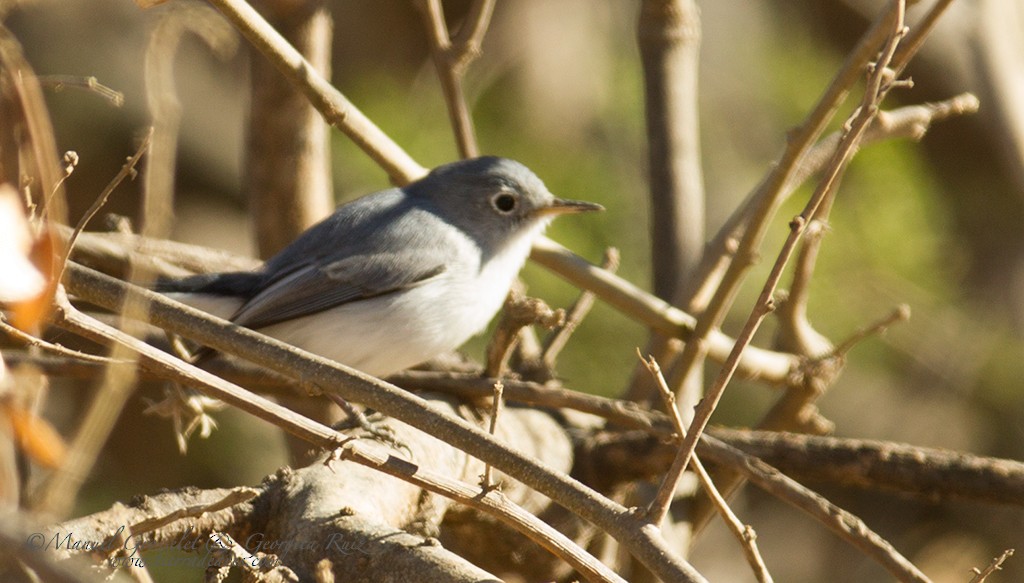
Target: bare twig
[(451, 60), (846, 525), (31, 340), (127, 170), (335, 107), (900, 314), (90, 84), (70, 160), (995, 565), (557, 339), (765, 365), (496, 404), (659, 506), (879, 83)]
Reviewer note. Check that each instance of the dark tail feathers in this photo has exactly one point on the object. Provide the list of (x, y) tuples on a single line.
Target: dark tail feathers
[(239, 283)]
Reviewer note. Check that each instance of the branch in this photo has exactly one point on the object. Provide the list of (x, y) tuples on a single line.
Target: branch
[(668, 34), (846, 525), (879, 83), (352, 385), (178, 371), (451, 60), (764, 365), (995, 565), (469, 386), (660, 505), (932, 474), (335, 107)]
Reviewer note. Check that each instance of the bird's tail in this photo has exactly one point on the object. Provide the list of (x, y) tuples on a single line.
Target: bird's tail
[(239, 283)]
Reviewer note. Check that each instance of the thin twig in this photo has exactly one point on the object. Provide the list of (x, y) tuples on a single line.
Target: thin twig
[(995, 565), (90, 84), (451, 60), (846, 525), (31, 340), (878, 85), (659, 506), (496, 405), (557, 339), (128, 169), (900, 314), (744, 533)]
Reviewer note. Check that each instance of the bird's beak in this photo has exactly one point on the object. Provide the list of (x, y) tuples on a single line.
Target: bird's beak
[(561, 206)]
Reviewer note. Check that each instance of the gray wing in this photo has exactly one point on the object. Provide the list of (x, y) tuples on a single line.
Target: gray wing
[(313, 287)]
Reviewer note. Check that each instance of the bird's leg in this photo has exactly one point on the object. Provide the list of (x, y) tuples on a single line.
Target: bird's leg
[(376, 429)]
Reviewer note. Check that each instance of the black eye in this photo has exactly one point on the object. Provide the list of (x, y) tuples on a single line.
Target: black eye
[(504, 203)]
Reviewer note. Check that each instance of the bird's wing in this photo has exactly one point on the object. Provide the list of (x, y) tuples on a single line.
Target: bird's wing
[(315, 287)]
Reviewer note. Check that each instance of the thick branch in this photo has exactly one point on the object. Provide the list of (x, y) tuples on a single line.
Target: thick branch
[(669, 39), (288, 166)]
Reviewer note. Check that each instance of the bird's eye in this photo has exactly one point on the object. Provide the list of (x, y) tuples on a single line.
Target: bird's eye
[(504, 203)]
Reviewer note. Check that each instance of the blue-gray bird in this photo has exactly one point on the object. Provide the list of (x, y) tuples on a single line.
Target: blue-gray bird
[(396, 277)]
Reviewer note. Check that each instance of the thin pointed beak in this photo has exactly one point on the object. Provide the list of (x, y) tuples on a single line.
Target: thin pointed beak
[(561, 206)]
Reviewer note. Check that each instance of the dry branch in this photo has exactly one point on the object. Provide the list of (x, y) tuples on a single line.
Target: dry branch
[(352, 385)]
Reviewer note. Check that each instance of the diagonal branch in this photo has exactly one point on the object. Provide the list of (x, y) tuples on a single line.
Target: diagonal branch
[(333, 378)]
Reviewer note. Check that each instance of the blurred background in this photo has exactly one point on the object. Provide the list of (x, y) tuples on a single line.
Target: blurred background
[(938, 225)]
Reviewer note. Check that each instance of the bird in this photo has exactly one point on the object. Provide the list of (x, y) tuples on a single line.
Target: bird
[(397, 277)]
